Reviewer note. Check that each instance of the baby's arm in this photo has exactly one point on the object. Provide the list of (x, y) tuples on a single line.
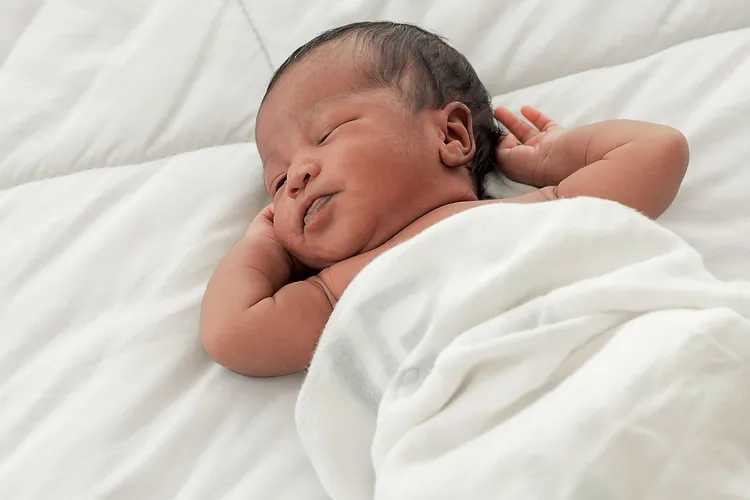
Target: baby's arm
[(252, 321), (638, 164)]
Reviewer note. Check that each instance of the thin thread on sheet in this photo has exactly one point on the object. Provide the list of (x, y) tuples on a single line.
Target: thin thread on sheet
[(256, 33)]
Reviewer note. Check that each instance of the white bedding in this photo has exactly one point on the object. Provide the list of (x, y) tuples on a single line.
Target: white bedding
[(575, 350), (127, 169)]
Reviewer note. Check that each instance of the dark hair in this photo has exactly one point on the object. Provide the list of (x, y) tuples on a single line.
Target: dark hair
[(438, 75)]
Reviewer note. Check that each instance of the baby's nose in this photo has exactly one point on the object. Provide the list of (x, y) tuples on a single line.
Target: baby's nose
[(299, 176), (299, 185)]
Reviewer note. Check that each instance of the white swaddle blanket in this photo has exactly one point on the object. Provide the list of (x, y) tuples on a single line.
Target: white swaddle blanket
[(571, 349)]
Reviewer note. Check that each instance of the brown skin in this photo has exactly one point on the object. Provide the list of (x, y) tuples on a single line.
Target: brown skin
[(393, 172)]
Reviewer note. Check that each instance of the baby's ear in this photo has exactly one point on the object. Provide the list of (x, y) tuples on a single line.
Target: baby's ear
[(458, 145)]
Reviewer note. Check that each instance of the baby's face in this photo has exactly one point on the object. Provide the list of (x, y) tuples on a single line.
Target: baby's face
[(344, 161)]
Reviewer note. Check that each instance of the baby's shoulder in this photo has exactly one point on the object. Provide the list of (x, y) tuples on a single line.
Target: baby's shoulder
[(436, 215)]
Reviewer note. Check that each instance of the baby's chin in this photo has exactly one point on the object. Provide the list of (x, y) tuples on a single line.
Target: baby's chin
[(319, 257), (320, 260)]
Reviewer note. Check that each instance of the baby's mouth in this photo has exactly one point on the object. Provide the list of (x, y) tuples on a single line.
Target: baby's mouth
[(315, 207)]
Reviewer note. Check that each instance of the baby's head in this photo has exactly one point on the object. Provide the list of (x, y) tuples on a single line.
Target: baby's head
[(365, 129)]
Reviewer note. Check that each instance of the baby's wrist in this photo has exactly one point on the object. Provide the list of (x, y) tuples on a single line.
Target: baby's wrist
[(566, 157), (269, 257)]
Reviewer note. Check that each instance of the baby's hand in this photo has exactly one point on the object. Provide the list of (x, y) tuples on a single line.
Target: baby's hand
[(634, 163), (262, 228), (527, 155)]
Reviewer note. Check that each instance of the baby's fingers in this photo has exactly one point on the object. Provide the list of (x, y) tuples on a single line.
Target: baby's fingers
[(538, 119), (267, 212), (515, 125), (509, 141)]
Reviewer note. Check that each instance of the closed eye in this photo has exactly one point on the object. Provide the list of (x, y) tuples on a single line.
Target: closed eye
[(328, 134)]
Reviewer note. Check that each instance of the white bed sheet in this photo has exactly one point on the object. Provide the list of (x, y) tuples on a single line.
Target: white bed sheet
[(127, 169)]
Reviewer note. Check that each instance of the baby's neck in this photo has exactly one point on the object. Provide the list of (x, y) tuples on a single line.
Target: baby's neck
[(337, 277)]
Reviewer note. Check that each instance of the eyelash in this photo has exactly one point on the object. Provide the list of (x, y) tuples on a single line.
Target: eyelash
[(323, 139), (328, 134), (280, 183)]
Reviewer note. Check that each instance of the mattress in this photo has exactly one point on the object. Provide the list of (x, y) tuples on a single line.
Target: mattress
[(128, 169)]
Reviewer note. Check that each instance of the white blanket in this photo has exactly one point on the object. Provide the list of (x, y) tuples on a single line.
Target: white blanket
[(572, 349)]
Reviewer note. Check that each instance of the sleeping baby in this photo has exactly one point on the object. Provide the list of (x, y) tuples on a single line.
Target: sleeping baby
[(371, 133)]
